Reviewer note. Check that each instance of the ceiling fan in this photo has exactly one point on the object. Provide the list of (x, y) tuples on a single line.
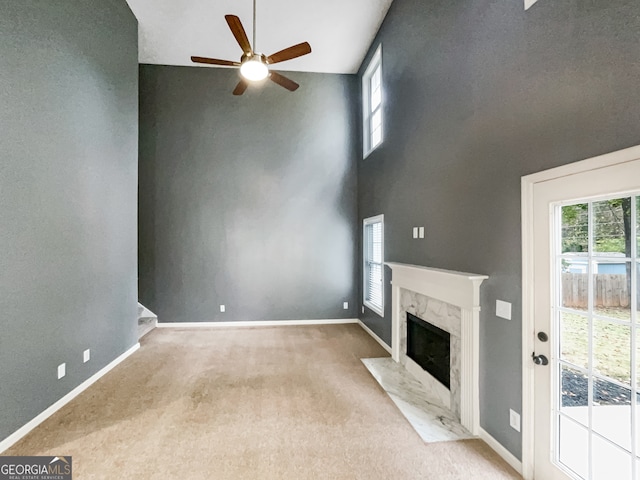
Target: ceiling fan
[(254, 66)]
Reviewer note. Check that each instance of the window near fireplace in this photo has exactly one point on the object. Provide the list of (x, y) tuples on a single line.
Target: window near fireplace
[(373, 268), (430, 347)]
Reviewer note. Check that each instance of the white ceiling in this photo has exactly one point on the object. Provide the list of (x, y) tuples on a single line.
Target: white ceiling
[(339, 31)]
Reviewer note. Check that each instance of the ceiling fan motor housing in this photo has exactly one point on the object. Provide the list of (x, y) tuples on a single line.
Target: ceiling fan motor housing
[(255, 56)]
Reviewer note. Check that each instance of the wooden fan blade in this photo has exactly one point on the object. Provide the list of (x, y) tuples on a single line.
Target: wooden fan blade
[(238, 31), (290, 53), (283, 81), (241, 87), (215, 61)]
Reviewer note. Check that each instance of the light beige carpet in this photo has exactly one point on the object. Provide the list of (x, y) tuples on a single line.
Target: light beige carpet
[(259, 403)]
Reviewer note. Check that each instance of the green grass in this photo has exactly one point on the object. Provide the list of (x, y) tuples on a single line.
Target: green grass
[(611, 343)]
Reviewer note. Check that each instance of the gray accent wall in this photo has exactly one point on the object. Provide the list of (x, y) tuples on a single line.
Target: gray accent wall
[(248, 202), (478, 94), (68, 176)]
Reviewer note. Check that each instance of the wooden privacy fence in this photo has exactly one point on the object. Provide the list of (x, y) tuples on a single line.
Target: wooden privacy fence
[(610, 290)]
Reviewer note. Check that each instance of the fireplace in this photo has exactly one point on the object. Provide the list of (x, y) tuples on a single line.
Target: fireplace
[(430, 347), (450, 301)]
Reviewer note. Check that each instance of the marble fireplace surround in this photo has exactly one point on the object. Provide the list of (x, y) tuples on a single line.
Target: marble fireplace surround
[(450, 300)]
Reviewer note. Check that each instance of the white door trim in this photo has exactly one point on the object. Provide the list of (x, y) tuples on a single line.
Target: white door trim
[(528, 329)]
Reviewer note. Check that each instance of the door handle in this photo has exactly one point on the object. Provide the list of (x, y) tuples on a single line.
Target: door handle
[(539, 359)]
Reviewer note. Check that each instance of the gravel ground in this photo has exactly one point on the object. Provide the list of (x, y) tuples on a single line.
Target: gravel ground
[(575, 387)]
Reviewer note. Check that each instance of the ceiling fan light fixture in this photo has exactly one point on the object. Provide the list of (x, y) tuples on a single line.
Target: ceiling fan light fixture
[(254, 69)]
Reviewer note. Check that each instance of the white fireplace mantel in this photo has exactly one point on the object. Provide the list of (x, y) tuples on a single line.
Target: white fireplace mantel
[(455, 288)]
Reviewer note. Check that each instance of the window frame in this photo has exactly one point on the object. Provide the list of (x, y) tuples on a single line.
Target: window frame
[(365, 223), (375, 64)]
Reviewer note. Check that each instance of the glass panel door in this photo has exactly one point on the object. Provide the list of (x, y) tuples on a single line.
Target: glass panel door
[(597, 353)]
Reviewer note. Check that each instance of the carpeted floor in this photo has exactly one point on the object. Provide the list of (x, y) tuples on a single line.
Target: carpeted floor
[(258, 403)]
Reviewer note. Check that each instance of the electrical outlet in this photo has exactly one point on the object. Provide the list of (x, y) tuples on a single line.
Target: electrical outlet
[(514, 420), (86, 355), (345, 305), (223, 308), (363, 309), (62, 370)]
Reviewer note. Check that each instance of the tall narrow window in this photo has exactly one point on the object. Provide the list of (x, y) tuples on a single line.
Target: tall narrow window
[(373, 248), (372, 100)]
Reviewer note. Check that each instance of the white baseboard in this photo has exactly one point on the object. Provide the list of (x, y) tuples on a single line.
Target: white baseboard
[(375, 337), (500, 450), (258, 323), (24, 430)]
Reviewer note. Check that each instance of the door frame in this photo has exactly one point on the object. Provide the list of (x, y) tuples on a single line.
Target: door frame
[(528, 327)]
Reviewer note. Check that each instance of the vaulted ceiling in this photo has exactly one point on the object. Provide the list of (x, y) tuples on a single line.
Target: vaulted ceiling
[(339, 31)]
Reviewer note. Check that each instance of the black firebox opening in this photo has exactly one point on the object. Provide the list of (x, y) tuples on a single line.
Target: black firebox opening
[(430, 347)]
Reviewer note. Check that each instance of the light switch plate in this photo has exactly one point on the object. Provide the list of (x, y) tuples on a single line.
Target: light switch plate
[(363, 309), (223, 308), (514, 420), (503, 309), (86, 355), (345, 305), (415, 232), (62, 370), (421, 232)]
